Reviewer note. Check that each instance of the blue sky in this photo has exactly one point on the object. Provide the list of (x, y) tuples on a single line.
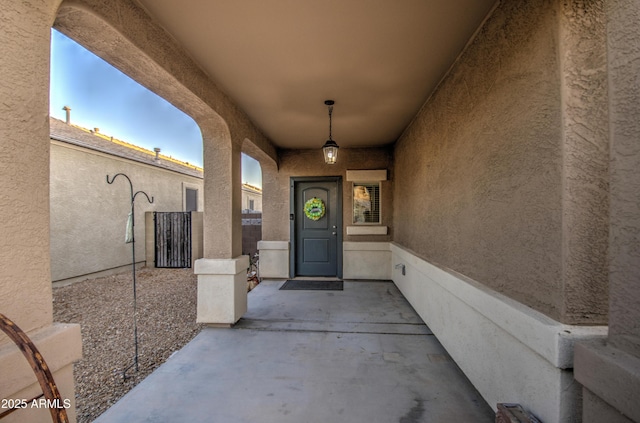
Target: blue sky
[(101, 96)]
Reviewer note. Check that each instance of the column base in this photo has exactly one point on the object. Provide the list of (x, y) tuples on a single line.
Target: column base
[(60, 345), (222, 290), (274, 259)]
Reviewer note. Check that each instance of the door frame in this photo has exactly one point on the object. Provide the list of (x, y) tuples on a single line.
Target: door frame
[(292, 214)]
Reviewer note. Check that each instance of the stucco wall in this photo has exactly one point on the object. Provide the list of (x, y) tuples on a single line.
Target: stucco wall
[(583, 64), (610, 371), (479, 173), (25, 283), (88, 216), (311, 163), (24, 164), (624, 65)]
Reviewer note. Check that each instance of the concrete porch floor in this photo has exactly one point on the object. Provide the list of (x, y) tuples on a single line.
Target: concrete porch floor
[(358, 355)]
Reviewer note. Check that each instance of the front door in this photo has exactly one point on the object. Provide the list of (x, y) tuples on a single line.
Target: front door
[(317, 219)]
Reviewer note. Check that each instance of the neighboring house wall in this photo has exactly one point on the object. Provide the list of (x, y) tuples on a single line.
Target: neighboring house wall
[(251, 198), (251, 232), (88, 216)]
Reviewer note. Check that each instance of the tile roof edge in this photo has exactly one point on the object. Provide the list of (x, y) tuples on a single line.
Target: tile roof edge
[(189, 170)]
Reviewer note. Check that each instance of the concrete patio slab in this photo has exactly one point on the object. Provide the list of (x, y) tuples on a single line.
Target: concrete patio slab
[(358, 355)]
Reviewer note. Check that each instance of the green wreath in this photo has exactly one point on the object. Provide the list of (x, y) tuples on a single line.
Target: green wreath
[(314, 209)]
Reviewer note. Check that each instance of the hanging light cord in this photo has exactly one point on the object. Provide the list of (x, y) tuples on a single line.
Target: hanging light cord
[(330, 112)]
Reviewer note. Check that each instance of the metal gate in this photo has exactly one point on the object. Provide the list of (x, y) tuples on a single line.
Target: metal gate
[(173, 239)]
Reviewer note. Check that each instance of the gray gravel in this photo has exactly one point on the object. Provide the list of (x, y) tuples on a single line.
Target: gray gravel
[(166, 302)]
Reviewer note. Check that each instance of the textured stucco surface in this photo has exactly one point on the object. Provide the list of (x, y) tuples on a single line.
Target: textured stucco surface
[(301, 163), (88, 216), (25, 284), (610, 373), (479, 173), (585, 161), (624, 68), (25, 281)]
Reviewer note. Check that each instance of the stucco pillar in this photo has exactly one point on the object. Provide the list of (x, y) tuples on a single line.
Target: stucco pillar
[(609, 371), (25, 280), (585, 145), (222, 278), (274, 246)]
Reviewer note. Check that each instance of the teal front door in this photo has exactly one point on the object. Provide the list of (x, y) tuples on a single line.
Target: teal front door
[(317, 221)]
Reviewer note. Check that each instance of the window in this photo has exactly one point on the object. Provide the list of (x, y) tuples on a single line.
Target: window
[(366, 203), (251, 204), (191, 199)]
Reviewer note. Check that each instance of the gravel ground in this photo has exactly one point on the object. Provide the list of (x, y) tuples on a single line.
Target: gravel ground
[(166, 302)]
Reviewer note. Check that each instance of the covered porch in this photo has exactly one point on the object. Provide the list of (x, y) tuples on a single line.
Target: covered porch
[(508, 213), (360, 354)]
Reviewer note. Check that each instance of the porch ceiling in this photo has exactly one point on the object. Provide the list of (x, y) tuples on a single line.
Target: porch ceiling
[(280, 59)]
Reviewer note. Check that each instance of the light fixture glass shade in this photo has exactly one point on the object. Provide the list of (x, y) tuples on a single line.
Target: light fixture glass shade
[(330, 150)]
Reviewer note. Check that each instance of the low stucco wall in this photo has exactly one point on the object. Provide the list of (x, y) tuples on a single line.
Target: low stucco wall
[(366, 260), (501, 177), (511, 353), (89, 216)]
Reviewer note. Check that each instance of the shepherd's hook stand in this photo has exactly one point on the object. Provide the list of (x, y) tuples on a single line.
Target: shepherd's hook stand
[(133, 253)]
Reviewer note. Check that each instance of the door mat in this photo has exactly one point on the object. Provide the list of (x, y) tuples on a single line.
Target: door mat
[(311, 285)]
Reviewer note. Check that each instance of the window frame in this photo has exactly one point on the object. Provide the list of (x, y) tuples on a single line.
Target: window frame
[(367, 184), (194, 187)]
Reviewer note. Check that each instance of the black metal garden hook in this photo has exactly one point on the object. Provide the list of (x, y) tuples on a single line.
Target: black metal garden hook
[(133, 196), (133, 253)]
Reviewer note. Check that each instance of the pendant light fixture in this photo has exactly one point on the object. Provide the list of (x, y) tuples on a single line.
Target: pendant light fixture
[(330, 148)]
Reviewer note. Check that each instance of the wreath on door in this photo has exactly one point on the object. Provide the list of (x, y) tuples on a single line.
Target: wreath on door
[(314, 209)]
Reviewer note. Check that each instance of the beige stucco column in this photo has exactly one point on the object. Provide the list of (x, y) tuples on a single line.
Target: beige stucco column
[(274, 246), (222, 278), (609, 370), (25, 280)]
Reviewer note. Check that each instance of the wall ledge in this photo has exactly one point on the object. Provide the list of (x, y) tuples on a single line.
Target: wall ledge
[(551, 339), (207, 266), (60, 345), (611, 374), (365, 246), (367, 230), (273, 245)]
